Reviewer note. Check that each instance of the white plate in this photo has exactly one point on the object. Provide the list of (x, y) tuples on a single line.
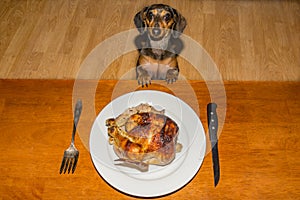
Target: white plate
[(159, 180)]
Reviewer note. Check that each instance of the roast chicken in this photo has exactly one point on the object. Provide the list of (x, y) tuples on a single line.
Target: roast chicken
[(142, 136)]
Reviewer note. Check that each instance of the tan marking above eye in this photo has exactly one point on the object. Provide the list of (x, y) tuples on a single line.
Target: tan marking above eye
[(151, 14), (163, 12), (154, 12)]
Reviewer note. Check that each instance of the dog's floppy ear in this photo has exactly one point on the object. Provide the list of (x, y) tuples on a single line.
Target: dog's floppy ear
[(139, 20), (179, 24)]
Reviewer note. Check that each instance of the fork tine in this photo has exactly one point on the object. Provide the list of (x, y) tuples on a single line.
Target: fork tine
[(75, 163), (70, 164), (67, 164), (63, 162)]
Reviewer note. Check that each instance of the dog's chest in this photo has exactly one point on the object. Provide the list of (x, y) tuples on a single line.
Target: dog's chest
[(157, 70), (160, 44)]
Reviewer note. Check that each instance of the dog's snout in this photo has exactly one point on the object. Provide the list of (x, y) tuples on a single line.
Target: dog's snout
[(156, 31)]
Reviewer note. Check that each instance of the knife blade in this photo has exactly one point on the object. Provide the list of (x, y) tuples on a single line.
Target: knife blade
[(212, 118)]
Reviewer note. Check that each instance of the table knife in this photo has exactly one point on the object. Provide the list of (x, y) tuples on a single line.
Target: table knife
[(213, 135)]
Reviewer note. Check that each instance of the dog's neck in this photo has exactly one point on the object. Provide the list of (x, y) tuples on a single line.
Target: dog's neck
[(160, 44)]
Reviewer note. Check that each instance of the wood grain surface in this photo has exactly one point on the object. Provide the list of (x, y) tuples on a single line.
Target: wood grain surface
[(258, 145), (248, 40)]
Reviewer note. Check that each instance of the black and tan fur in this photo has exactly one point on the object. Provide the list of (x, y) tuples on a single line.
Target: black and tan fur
[(158, 43)]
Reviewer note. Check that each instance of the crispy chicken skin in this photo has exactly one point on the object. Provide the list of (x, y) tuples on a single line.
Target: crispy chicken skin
[(142, 135)]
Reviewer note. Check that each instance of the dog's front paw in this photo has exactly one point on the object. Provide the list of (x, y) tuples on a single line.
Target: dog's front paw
[(144, 79), (172, 76)]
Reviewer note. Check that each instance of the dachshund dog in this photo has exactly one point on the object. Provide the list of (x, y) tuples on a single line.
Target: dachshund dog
[(158, 43)]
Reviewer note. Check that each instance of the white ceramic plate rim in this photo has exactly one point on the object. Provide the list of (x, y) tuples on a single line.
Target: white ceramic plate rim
[(160, 180)]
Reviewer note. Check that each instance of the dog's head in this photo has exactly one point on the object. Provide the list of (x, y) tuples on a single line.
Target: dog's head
[(160, 20)]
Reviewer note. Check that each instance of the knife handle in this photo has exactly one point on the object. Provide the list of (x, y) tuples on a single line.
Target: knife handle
[(212, 122)]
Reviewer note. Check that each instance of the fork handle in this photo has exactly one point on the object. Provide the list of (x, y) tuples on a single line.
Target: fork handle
[(77, 113)]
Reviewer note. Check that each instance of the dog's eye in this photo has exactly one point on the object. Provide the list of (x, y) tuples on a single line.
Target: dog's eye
[(150, 15), (167, 17)]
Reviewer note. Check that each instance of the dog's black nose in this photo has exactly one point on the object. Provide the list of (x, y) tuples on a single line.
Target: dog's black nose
[(156, 31)]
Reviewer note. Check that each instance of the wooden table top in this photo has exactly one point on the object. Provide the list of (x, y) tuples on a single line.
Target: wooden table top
[(258, 146)]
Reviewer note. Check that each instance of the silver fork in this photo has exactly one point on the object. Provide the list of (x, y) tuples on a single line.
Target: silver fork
[(71, 154)]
